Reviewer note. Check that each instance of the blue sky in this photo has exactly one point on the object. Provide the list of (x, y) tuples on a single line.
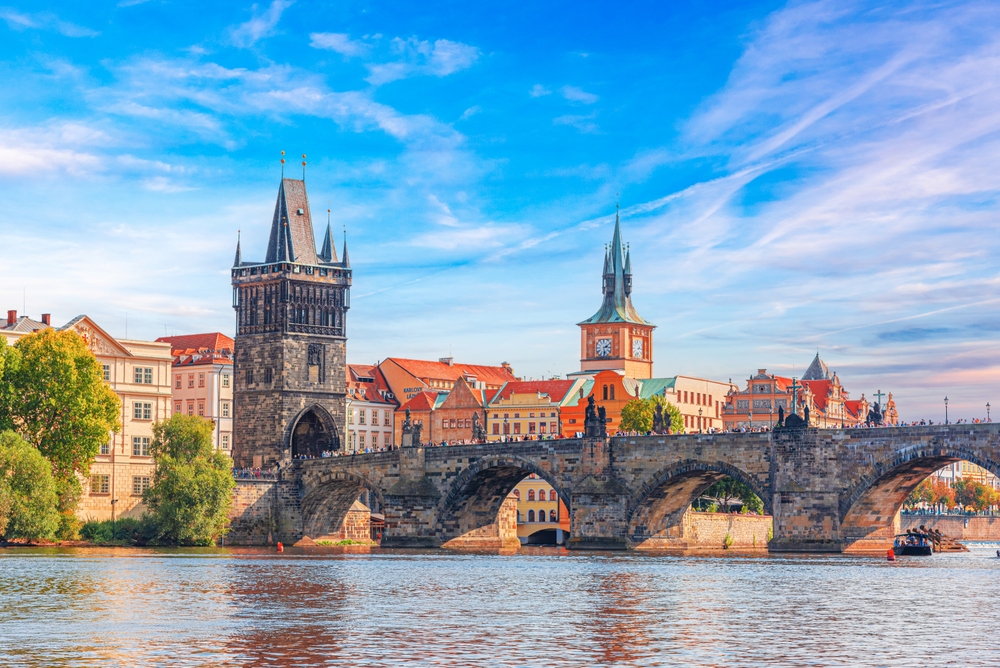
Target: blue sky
[(793, 177)]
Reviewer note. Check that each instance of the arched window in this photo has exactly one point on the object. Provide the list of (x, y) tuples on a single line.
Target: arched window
[(605, 393), (552, 516), (612, 392), (531, 514), (552, 495), (541, 495), (517, 494), (531, 495)]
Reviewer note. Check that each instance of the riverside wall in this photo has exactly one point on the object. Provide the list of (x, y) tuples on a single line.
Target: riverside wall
[(954, 526), (708, 531)]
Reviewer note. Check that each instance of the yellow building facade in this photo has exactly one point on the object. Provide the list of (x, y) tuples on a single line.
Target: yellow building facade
[(542, 518)]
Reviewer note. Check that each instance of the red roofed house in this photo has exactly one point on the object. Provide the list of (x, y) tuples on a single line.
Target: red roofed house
[(421, 409), (530, 408), (819, 390), (203, 381), (370, 408)]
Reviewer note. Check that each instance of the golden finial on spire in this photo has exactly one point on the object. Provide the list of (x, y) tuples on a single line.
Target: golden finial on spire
[(282, 164), (303, 166)]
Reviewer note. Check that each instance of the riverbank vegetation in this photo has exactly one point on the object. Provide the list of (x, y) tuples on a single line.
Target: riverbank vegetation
[(966, 494), (723, 495)]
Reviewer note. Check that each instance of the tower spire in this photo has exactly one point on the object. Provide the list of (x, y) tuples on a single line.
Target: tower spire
[(328, 253), (239, 256), (347, 260)]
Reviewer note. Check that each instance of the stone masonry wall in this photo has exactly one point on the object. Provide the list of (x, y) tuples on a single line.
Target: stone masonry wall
[(709, 530), (953, 526), (502, 534)]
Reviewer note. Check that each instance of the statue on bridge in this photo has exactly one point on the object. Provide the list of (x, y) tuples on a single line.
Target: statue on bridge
[(478, 430), (411, 432), (658, 427), (781, 417), (875, 416), (594, 420), (415, 434)]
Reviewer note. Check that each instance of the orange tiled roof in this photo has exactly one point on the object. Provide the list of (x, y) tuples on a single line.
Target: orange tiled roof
[(491, 375), (422, 402), (820, 390), (556, 389), (197, 342)]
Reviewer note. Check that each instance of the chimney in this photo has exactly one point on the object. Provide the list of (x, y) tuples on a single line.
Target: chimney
[(47, 319), (11, 317), (507, 366), (450, 361)]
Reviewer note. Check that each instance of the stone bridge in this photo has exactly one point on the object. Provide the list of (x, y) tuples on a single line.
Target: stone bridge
[(828, 490)]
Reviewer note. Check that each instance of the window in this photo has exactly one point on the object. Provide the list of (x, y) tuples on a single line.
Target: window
[(201, 380), (553, 427), (604, 397), (541, 495), (517, 427), (190, 408), (552, 414), (361, 416), (374, 439), (177, 407), (100, 484), (225, 441), (225, 409), (531, 415), (177, 382), (386, 418), (451, 423), (531, 513), (468, 423), (495, 416), (531, 495), (142, 411), (143, 375), (517, 415), (191, 378), (552, 516), (140, 483), (105, 448), (541, 427), (386, 438), (496, 428), (107, 372), (553, 496), (249, 376), (361, 440), (350, 415), (140, 446), (225, 380), (517, 494), (612, 392), (201, 408), (268, 375), (531, 427), (444, 424)]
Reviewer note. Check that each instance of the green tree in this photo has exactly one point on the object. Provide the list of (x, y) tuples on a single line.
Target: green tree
[(974, 493), (637, 415), (192, 490), (922, 493), (27, 491), (55, 397), (727, 490)]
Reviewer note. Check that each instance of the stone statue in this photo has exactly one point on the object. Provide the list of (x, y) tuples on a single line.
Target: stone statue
[(875, 415), (478, 432), (415, 434), (781, 417), (602, 420), (658, 420), (407, 425), (594, 420), (805, 415)]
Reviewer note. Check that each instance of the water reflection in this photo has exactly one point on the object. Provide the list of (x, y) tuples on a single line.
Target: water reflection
[(543, 606)]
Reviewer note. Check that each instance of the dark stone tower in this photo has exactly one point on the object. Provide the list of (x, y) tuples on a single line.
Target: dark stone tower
[(289, 396)]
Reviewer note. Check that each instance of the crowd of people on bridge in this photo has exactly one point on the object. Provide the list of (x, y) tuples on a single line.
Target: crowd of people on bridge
[(255, 473)]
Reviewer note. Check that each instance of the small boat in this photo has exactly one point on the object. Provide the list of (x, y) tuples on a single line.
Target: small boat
[(913, 544)]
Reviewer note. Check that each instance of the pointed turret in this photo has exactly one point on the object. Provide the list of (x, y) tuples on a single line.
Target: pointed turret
[(817, 370), (617, 306), (239, 256), (347, 260), (328, 253)]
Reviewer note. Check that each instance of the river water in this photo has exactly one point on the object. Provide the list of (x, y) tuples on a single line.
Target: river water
[(539, 607)]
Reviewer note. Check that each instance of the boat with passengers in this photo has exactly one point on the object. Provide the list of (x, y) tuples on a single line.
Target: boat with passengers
[(913, 544)]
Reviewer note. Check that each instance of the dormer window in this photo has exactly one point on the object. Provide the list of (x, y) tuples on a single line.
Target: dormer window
[(301, 212)]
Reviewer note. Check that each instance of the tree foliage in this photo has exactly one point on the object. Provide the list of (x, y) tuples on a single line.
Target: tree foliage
[(28, 497), (974, 494), (53, 394), (192, 490), (727, 490), (637, 415)]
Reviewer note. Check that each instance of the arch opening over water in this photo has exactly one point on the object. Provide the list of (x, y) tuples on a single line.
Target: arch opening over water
[(312, 432)]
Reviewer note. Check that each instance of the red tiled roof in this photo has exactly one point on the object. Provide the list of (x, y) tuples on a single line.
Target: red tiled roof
[(820, 390), (422, 402), (197, 342), (491, 375), (556, 389), (853, 407)]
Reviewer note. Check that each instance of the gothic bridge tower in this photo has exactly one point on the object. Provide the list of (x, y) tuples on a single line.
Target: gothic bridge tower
[(289, 396), (616, 337)]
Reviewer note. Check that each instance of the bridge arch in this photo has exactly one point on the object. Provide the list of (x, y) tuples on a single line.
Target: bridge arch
[(311, 432), (474, 499), (658, 507), (868, 506), (327, 496)]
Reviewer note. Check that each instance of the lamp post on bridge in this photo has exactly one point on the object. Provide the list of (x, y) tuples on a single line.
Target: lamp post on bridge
[(946, 410), (701, 427), (988, 412)]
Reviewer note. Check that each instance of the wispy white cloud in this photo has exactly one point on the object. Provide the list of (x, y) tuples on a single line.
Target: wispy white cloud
[(260, 25), (574, 94), (470, 112), (584, 123), (17, 20), (339, 42), (538, 90), (416, 57)]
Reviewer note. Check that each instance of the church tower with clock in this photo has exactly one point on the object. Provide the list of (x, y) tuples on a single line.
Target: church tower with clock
[(616, 337)]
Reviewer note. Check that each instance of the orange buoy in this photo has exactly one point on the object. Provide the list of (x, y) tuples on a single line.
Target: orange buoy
[(890, 555), (281, 548)]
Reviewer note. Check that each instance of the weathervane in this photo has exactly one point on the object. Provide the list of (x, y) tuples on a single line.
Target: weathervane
[(303, 166), (282, 164)]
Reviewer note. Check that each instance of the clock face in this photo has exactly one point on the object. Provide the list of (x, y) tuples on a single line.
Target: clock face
[(603, 347), (636, 347)]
